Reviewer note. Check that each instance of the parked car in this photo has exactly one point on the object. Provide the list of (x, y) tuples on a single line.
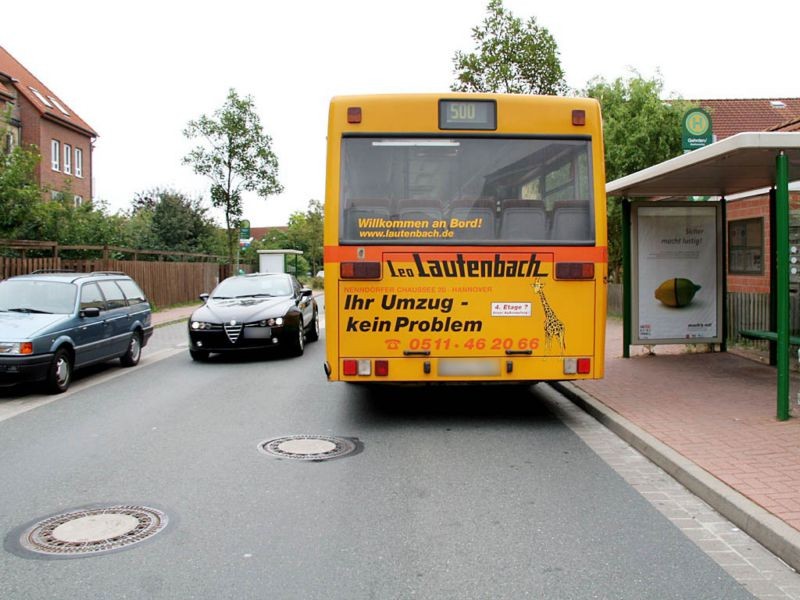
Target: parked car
[(52, 323), (254, 312)]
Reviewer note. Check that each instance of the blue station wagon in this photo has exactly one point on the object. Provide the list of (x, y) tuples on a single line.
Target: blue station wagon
[(52, 323)]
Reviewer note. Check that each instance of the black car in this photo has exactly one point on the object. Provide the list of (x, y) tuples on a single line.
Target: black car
[(254, 312)]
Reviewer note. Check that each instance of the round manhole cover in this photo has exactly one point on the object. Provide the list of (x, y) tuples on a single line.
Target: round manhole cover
[(93, 531), (310, 447)]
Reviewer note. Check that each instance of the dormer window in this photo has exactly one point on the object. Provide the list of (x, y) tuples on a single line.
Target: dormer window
[(59, 106), (41, 97)]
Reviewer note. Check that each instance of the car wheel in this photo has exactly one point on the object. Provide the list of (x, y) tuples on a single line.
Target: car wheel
[(313, 332), (199, 355), (134, 352), (297, 342), (60, 374)]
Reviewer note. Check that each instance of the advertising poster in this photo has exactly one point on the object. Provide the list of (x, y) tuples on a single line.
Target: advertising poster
[(677, 269)]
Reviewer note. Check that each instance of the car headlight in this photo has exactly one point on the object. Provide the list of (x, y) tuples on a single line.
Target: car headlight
[(200, 325), (19, 348)]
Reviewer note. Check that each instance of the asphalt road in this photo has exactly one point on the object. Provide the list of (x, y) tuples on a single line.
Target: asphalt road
[(456, 493)]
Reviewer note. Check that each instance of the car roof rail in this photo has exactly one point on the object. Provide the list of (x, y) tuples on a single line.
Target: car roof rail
[(43, 271), (107, 273)]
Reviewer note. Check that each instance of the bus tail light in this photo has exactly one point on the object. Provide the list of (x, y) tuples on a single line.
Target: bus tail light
[(577, 270), (360, 270), (382, 368), (352, 367), (577, 366), (354, 114), (579, 117)]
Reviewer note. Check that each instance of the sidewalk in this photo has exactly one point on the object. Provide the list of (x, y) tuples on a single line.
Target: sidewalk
[(709, 420), (173, 315)]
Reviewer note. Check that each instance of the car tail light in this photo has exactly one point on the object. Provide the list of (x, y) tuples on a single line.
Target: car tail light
[(576, 270), (360, 270)]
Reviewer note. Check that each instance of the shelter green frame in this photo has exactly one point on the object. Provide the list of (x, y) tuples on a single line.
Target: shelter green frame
[(746, 162)]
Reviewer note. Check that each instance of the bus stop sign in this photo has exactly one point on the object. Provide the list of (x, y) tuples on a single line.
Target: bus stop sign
[(696, 129)]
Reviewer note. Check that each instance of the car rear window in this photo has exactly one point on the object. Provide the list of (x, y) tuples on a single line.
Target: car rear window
[(132, 291), (114, 296)]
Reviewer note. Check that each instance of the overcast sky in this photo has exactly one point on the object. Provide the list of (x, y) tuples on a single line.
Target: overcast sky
[(138, 72)]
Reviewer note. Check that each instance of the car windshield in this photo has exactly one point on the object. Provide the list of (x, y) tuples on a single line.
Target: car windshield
[(33, 296), (244, 287)]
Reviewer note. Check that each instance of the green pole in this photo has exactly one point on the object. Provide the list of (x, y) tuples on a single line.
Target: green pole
[(626, 279), (782, 243)]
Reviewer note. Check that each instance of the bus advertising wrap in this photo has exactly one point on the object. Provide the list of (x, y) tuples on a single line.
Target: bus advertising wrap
[(458, 303)]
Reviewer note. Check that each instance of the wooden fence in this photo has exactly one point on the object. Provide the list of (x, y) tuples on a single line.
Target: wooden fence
[(165, 282)]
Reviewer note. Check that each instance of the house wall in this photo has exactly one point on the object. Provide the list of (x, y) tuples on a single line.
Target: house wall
[(40, 132), (750, 208)]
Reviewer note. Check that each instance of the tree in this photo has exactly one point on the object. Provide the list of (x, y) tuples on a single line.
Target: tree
[(19, 192), (236, 155), (510, 56), (174, 221), (305, 233), (640, 130)]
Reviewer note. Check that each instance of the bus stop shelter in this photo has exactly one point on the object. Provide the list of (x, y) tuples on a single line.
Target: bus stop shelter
[(745, 162)]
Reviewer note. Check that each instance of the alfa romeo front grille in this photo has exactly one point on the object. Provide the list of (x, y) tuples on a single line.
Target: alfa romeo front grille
[(233, 331)]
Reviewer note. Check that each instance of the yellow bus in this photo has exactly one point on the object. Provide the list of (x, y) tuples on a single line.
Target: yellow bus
[(465, 239)]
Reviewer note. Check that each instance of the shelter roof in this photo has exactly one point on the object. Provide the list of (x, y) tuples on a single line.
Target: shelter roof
[(740, 163)]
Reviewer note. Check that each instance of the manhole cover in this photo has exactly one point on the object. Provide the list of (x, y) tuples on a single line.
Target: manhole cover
[(93, 531), (310, 447)]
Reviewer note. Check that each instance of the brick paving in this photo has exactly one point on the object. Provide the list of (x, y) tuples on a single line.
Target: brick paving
[(716, 409)]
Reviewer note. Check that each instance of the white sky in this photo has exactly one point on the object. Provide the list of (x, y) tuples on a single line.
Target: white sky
[(138, 72)]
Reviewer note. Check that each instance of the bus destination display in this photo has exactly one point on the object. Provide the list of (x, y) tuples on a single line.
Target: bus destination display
[(468, 114)]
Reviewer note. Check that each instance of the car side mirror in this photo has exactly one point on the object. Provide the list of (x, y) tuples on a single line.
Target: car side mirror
[(204, 297), (306, 292), (90, 312)]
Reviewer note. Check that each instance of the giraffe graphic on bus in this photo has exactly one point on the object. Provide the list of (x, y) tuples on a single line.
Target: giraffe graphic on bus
[(553, 326)]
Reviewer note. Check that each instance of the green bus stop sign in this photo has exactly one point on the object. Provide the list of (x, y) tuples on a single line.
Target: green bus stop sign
[(244, 229), (696, 129)]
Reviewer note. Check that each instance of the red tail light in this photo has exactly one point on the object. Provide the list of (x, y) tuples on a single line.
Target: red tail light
[(584, 366), (360, 270), (574, 270), (382, 368)]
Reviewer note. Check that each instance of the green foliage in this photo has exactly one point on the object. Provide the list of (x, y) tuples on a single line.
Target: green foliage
[(236, 155), (168, 220), (59, 220), (19, 192), (305, 233), (510, 56), (640, 130)]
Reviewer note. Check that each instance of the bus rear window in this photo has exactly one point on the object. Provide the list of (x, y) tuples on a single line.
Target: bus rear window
[(466, 190)]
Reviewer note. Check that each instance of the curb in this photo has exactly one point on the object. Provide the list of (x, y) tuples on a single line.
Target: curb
[(772, 533)]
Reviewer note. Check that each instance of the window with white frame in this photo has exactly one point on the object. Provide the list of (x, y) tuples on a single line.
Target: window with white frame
[(67, 159), (55, 155), (78, 162), (78, 201)]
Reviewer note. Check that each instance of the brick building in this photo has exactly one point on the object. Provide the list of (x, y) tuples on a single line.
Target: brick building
[(748, 214), (38, 117)]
